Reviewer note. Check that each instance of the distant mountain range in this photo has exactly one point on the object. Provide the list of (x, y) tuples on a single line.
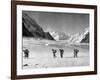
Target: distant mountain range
[(32, 29), (60, 35), (76, 38)]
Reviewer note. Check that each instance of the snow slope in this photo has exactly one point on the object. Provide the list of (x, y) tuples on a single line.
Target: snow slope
[(41, 56)]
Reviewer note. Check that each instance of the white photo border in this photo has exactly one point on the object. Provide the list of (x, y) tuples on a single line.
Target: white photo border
[(21, 71)]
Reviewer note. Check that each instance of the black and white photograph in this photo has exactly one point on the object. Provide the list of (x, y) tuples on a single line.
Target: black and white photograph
[(52, 39)]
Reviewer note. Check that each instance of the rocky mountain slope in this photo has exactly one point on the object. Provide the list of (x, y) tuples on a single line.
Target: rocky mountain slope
[(32, 29)]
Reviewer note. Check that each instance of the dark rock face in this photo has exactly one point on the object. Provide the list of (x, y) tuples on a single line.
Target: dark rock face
[(26, 32), (48, 36), (32, 29), (86, 39)]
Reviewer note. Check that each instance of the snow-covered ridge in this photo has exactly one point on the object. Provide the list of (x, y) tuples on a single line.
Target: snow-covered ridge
[(60, 36), (76, 38)]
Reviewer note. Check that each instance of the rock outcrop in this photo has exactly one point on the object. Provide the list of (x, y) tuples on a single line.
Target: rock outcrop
[(85, 39)]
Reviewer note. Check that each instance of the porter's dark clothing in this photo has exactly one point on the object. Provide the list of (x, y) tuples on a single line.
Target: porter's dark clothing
[(76, 53), (26, 52), (54, 53), (61, 53)]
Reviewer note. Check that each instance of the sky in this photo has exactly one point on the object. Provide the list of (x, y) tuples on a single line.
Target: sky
[(70, 23)]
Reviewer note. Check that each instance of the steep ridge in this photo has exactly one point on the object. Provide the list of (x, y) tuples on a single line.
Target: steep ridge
[(85, 39)]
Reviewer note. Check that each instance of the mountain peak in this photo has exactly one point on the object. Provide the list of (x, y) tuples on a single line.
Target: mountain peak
[(80, 37)]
